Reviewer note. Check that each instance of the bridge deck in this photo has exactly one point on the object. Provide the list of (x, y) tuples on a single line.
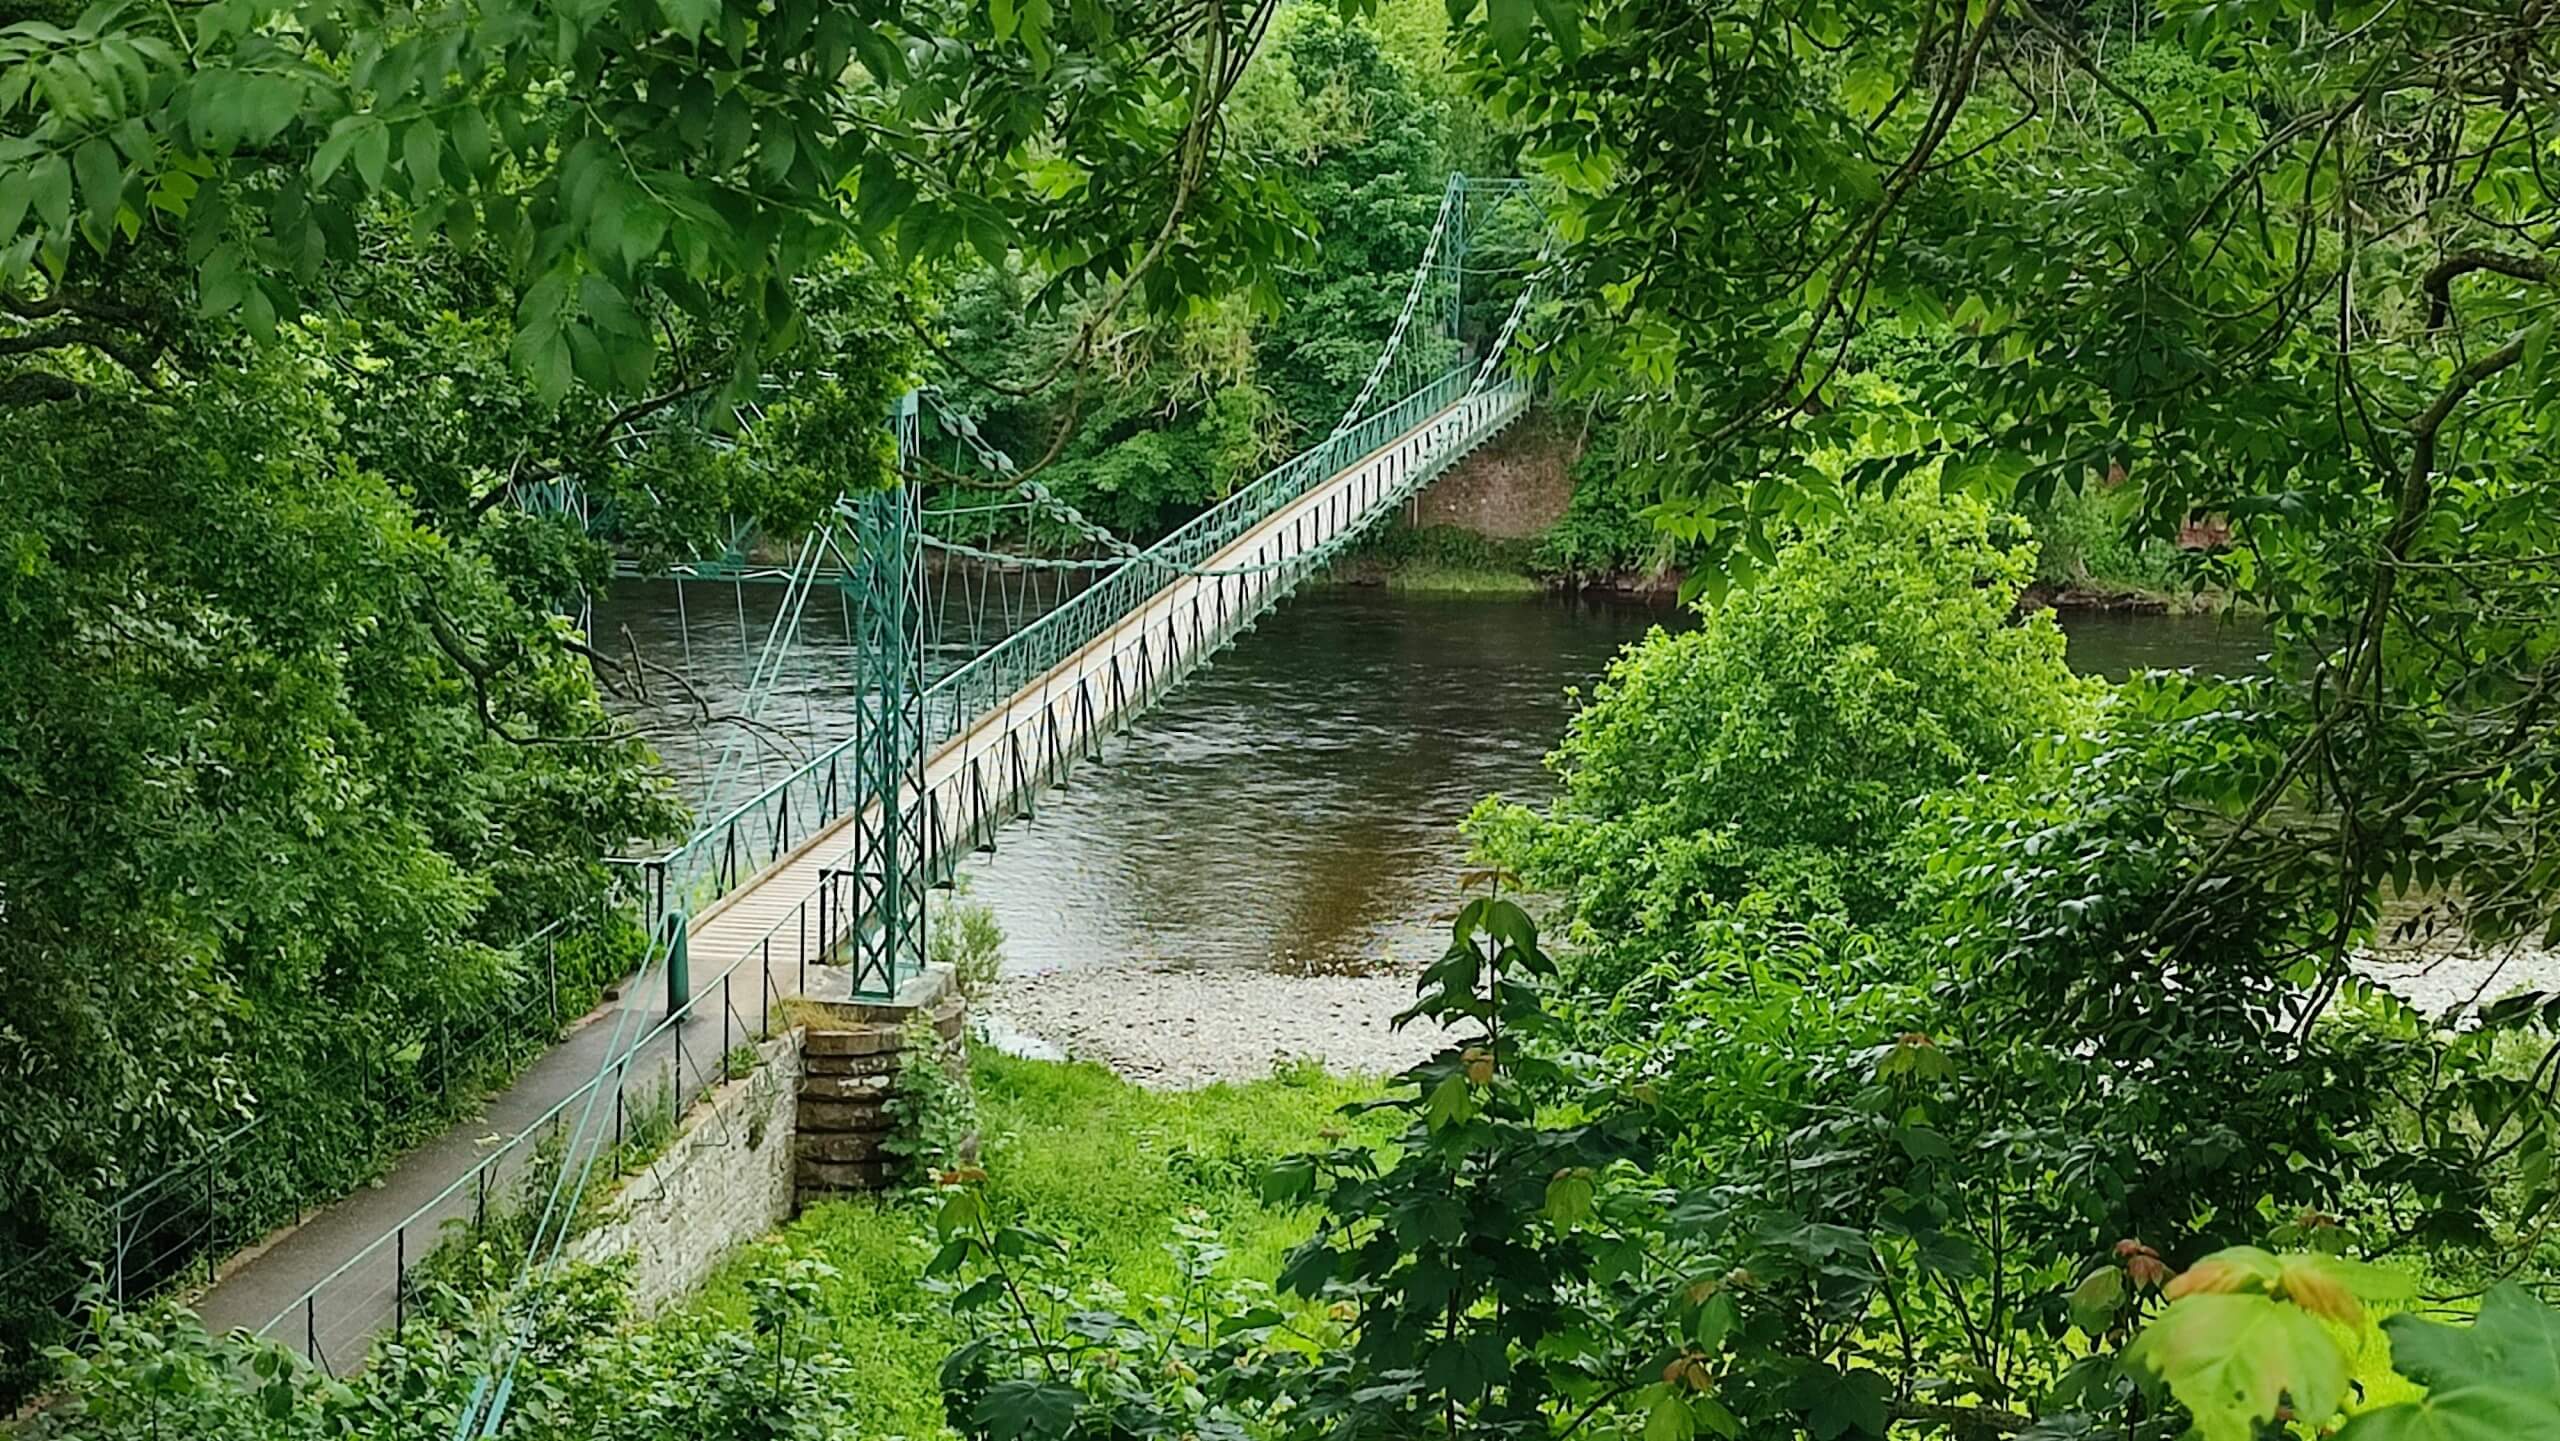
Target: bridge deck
[(988, 773)]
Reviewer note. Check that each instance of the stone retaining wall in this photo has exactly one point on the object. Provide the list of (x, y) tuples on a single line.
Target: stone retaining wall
[(811, 1121), (725, 1180)]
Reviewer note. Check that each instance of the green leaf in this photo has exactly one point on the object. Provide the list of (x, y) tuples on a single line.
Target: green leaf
[(689, 18), (49, 188), (2232, 1358), (2537, 342), (1564, 22), (733, 128), (1844, 1403), (1668, 1419), (1450, 1101), (373, 152), (2515, 1341), (1031, 1410), (1289, 1179), (2464, 1413), (15, 197), (334, 150), (1510, 22), (2493, 1380), (1568, 1201), (542, 353), (420, 148), (1715, 1321), (221, 285), (2095, 1299), (101, 177), (470, 137), (260, 313)]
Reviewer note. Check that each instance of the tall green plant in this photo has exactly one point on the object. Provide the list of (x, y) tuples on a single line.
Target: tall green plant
[(1778, 745)]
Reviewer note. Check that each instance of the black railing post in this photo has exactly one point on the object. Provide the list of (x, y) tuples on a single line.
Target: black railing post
[(399, 1281), (311, 1327)]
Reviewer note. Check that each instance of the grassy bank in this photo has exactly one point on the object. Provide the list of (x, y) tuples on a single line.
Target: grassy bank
[(1071, 1150), (1442, 559)]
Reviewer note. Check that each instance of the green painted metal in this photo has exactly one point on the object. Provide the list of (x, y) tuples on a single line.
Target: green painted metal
[(887, 936), (866, 533)]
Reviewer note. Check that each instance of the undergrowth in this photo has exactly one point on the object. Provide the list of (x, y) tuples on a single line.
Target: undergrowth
[(1108, 1167)]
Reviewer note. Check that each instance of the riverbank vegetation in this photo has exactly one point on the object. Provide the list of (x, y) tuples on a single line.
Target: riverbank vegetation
[(339, 355), (1920, 1040), (1938, 1048), (830, 1329)]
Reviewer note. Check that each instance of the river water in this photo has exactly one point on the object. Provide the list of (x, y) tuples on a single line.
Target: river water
[(1296, 805)]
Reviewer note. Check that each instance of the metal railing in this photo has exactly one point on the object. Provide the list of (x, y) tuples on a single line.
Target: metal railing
[(176, 1228), (734, 847), (672, 1063)]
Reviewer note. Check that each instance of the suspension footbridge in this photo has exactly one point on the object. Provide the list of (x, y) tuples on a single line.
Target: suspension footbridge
[(815, 882)]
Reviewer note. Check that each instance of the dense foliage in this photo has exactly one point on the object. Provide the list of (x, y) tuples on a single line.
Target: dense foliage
[(1344, 116), (340, 350), (2268, 263), (1541, 1250), (1936, 1043), (1775, 749), (162, 1375)]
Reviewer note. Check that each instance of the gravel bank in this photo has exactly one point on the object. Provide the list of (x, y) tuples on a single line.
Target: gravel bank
[(2438, 981), (1175, 1027)]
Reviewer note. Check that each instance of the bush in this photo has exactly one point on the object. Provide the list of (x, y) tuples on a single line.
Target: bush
[(964, 935), (2086, 537), (1778, 747), (583, 1372), (1605, 531), (934, 1110)]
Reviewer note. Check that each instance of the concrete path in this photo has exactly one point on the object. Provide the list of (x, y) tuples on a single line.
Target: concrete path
[(326, 1287)]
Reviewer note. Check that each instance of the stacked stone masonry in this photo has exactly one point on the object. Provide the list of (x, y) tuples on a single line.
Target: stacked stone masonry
[(850, 1059), (724, 1181), (811, 1121)]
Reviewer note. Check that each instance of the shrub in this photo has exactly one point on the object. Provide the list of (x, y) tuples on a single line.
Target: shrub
[(583, 1372), (965, 936), (1778, 747)]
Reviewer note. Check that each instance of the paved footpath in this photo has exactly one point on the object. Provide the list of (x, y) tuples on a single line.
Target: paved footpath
[(438, 1186)]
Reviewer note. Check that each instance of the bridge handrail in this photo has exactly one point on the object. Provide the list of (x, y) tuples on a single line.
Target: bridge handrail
[(1015, 660), (713, 852)]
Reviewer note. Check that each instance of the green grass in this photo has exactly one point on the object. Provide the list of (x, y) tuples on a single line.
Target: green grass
[(1423, 578), (1076, 1152), (1443, 560)]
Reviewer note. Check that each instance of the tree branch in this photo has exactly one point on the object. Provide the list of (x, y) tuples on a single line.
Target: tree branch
[(2438, 284)]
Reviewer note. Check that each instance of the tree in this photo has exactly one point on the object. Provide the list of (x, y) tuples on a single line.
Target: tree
[(698, 156), (1181, 413), (297, 305), (1778, 746), (295, 775), (2273, 263)]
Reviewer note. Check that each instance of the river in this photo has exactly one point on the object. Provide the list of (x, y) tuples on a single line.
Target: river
[(1293, 807)]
